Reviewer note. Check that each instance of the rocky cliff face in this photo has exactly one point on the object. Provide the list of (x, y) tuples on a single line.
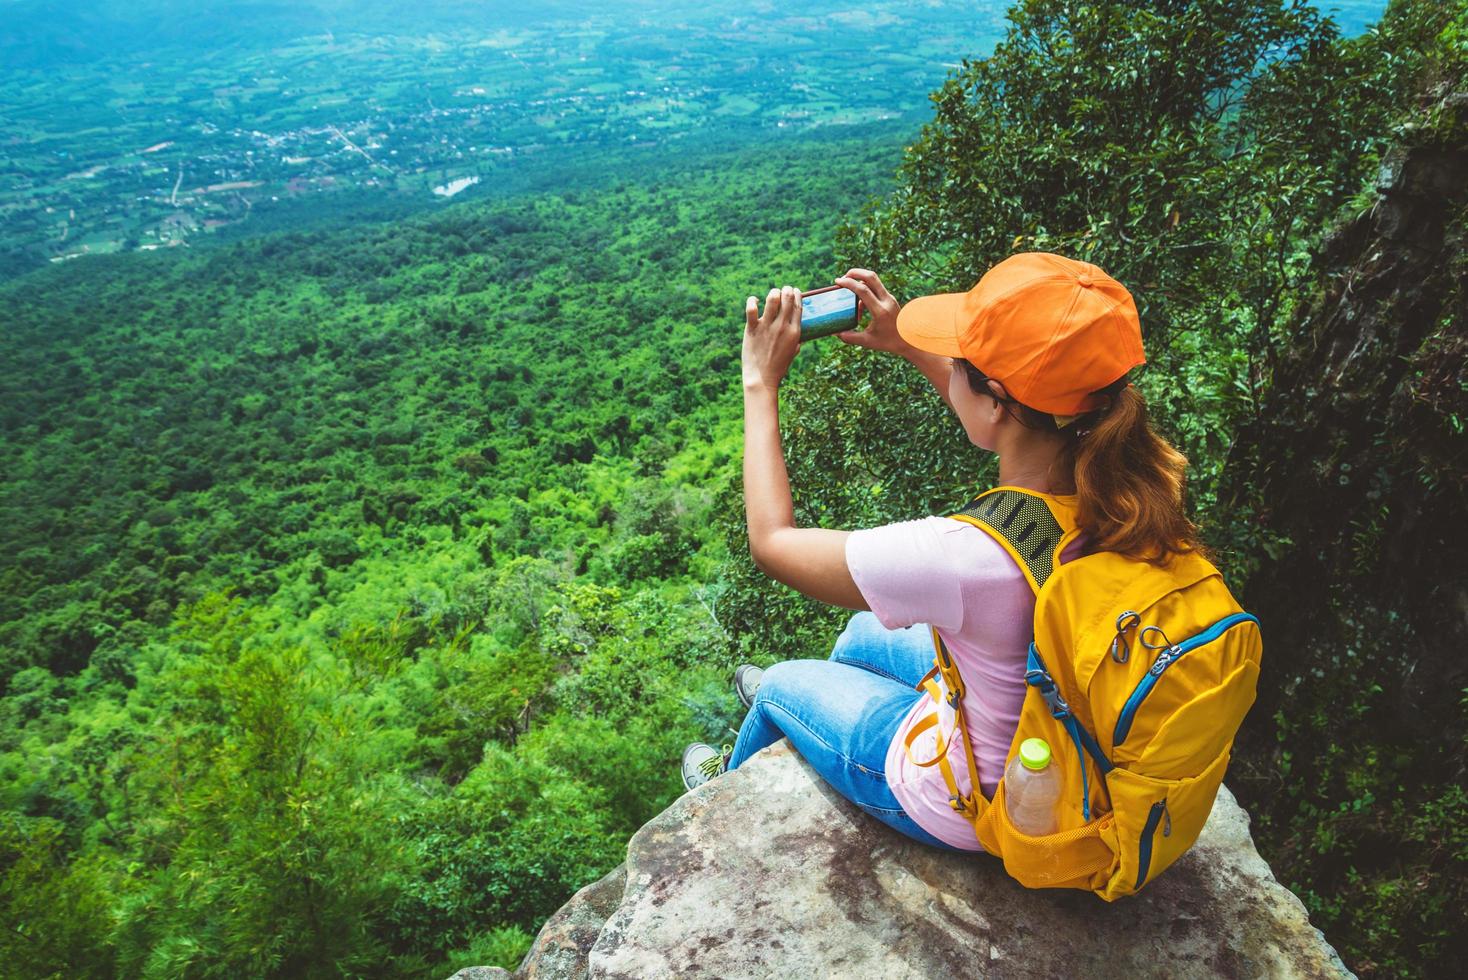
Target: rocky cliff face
[(767, 872), (1357, 465), (1356, 456)]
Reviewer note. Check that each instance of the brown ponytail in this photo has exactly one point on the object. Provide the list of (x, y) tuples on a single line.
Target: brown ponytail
[(1130, 483), (1128, 478)]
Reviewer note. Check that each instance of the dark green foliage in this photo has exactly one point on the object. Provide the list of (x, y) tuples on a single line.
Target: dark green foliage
[(1133, 136), (508, 847), (1200, 152), (1355, 764)]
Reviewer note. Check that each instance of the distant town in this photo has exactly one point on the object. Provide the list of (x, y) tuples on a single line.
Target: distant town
[(139, 156)]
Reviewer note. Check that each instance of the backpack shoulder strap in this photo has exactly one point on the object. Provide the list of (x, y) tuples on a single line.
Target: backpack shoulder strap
[(1033, 527)]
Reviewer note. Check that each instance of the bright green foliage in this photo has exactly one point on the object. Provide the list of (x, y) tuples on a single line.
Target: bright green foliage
[(283, 414), (358, 601), (263, 844), (57, 908), (504, 947), (361, 587)]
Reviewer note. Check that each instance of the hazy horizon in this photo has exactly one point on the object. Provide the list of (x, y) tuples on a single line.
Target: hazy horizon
[(128, 126)]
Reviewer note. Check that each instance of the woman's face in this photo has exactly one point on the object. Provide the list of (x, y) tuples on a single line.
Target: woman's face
[(978, 413)]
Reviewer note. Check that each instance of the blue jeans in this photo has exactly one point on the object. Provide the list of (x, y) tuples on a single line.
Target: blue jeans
[(841, 714)]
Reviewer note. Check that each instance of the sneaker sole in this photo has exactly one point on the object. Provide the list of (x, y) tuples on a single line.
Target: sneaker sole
[(746, 700), (683, 771)]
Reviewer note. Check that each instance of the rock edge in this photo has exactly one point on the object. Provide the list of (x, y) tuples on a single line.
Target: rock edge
[(766, 871)]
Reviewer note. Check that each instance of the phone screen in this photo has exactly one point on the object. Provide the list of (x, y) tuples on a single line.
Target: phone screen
[(827, 312)]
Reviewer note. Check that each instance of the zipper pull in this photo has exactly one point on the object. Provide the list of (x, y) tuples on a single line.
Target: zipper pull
[(1170, 650), (1166, 820), (1163, 659)]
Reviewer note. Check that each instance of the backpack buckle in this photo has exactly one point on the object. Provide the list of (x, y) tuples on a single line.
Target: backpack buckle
[(1040, 678)]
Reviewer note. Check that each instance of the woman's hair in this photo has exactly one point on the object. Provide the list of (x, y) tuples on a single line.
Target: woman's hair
[(1130, 480)]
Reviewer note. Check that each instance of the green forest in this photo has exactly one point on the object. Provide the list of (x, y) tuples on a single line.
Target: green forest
[(362, 584)]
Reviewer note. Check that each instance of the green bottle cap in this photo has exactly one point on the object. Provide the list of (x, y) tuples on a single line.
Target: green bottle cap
[(1034, 753)]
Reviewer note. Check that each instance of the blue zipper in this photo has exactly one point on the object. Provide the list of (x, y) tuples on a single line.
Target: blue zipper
[(1166, 659), (1144, 846)]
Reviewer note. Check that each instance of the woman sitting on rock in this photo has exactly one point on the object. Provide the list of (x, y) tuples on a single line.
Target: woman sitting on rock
[(1033, 361)]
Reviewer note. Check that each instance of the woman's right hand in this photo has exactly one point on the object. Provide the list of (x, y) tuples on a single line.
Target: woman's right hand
[(881, 330)]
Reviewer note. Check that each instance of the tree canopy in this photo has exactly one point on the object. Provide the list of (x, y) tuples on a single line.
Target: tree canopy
[(362, 585)]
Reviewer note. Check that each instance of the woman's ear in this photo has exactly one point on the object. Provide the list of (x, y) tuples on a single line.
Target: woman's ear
[(1000, 397)]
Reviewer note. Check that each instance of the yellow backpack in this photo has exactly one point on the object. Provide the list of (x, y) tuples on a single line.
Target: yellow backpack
[(1139, 677)]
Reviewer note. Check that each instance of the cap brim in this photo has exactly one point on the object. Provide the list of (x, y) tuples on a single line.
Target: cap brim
[(930, 323)]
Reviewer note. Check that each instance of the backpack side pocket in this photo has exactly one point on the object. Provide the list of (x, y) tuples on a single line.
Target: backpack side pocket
[(1156, 821), (1077, 858)]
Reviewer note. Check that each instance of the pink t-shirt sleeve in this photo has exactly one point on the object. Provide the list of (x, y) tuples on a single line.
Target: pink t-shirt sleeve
[(922, 571)]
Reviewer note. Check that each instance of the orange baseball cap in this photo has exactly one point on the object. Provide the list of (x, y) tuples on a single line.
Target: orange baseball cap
[(1052, 330)]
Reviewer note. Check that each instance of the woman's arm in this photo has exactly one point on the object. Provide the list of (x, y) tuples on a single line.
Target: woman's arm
[(810, 560), (881, 331)]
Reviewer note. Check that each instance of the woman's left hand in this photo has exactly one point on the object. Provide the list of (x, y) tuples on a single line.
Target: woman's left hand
[(771, 339)]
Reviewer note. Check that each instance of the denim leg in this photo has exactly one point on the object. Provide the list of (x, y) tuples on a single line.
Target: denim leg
[(903, 655), (841, 719)]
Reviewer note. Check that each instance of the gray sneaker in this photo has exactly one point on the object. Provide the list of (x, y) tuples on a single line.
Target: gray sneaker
[(747, 678), (702, 762)]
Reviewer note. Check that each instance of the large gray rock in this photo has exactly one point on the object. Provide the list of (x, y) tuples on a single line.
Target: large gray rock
[(768, 872), (565, 939)]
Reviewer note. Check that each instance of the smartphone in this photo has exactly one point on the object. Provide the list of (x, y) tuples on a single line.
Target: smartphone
[(828, 310)]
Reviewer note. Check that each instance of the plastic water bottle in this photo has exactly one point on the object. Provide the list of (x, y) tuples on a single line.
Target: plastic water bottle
[(1032, 788)]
